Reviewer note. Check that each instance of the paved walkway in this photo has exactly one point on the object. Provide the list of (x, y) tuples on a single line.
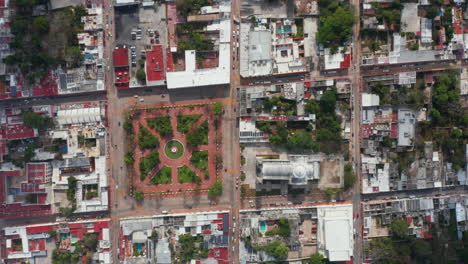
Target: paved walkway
[(139, 117)]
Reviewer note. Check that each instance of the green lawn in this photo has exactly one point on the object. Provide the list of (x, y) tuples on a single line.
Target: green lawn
[(200, 160), (164, 176), (148, 163), (185, 122), (187, 175), (178, 153), (146, 140), (161, 124)]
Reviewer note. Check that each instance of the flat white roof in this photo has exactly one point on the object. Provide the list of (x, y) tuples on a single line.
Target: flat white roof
[(370, 100), (192, 77), (79, 116), (202, 77), (335, 231)]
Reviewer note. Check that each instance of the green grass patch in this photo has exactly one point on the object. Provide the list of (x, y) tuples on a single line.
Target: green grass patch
[(200, 161), (199, 136), (187, 175), (164, 176), (146, 140), (185, 122), (148, 163), (170, 145), (161, 124)]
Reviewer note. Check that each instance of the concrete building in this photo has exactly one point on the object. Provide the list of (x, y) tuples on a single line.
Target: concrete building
[(335, 232), (326, 229), (191, 76), (249, 133), (406, 127), (295, 172), (256, 57), (85, 157), (269, 48), (34, 244), (136, 245)]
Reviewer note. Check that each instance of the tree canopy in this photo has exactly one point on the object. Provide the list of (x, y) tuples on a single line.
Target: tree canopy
[(215, 189), (217, 108), (349, 176), (141, 75), (316, 258), (34, 120), (139, 196), (399, 228), (336, 28), (146, 140), (276, 249)]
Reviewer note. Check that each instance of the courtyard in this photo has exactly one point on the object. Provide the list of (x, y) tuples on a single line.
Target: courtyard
[(173, 149)]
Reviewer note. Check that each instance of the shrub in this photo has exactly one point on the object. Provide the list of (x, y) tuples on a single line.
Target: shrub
[(146, 140), (128, 158), (139, 196), (160, 124), (349, 176), (148, 163), (91, 195), (185, 122), (200, 160), (215, 189), (164, 176), (187, 175), (217, 108), (199, 136)]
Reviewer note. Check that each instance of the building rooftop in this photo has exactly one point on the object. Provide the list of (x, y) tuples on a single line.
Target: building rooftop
[(155, 68), (406, 127), (369, 100), (297, 170), (335, 232), (255, 52), (120, 57)]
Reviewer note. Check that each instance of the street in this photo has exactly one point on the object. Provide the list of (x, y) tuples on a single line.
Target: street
[(354, 142)]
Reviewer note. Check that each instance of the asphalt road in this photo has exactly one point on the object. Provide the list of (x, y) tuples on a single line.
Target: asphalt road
[(355, 144), (415, 193)]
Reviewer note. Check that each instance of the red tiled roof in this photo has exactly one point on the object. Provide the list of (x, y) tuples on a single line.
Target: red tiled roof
[(39, 229), (41, 198), (220, 254), (48, 86), (155, 70), (122, 77), (346, 62), (36, 172), (169, 61), (13, 173), (120, 57), (394, 130), (19, 131)]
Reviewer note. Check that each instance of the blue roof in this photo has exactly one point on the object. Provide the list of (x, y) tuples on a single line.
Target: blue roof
[(225, 223)]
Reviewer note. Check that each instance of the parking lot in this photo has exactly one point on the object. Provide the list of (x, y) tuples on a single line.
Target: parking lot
[(138, 28)]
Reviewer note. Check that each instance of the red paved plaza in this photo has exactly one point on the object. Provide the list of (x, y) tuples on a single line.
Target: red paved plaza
[(140, 116)]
